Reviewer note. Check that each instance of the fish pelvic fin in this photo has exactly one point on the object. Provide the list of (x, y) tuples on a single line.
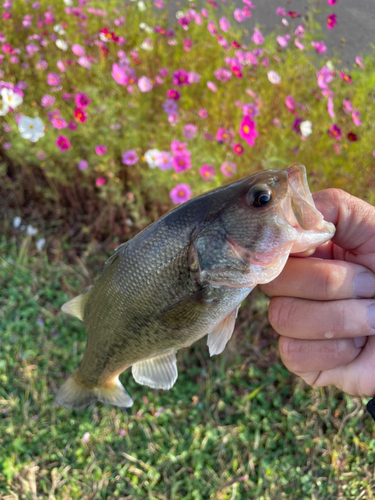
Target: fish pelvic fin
[(76, 306), (75, 396)]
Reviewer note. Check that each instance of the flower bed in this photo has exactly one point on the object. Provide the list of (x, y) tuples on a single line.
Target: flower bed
[(117, 101)]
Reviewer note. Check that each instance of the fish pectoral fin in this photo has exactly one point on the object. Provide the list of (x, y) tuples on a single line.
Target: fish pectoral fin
[(76, 306), (218, 338), (159, 372)]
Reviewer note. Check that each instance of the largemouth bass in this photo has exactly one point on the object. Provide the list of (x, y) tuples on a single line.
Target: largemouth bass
[(184, 277)]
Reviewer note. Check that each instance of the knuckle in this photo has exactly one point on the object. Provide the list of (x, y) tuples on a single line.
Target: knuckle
[(279, 313), (292, 351), (331, 281)]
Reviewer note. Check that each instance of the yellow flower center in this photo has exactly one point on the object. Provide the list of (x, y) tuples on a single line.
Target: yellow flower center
[(246, 129)]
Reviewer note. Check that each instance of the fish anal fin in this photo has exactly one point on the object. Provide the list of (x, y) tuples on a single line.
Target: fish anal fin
[(158, 372), (75, 306), (219, 337), (74, 395)]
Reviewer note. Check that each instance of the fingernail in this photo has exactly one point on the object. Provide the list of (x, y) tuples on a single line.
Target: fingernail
[(359, 341), (371, 315), (364, 285)]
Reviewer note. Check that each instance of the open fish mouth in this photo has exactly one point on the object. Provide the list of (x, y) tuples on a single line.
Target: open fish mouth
[(300, 212)]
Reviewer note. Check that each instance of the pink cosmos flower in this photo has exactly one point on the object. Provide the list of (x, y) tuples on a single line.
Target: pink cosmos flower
[(47, 101), (238, 149), (202, 113), (193, 77), (280, 11), (130, 157), (78, 50), (159, 4), (164, 160), (178, 147), (182, 162), (290, 103), (331, 21), (63, 143), (82, 100), (337, 148), (173, 118), (99, 182), (298, 44), (283, 40), (180, 193), (238, 15), (187, 44), (251, 110), (293, 14), (211, 27), (330, 107), (170, 106), (224, 24), (348, 106), (359, 61), (257, 37), (61, 66), (41, 155), (207, 172), (212, 86), (72, 125), (180, 77), (190, 130), (346, 78), (84, 62), (300, 30), (173, 94), (100, 149), (53, 79), (82, 164), (80, 115), (320, 47), (59, 122), (223, 135), (248, 131), (331, 2), (223, 74), (7, 145), (324, 77), (228, 168), (119, 74), (335, 132), (144, 84), (355, 116)]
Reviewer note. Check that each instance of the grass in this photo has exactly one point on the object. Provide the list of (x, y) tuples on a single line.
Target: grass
[(234, 426)]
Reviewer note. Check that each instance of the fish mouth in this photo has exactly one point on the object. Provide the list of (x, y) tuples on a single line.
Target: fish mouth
[(299, 211)]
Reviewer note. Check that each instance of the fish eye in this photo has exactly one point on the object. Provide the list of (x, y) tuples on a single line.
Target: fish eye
[(259, 196)]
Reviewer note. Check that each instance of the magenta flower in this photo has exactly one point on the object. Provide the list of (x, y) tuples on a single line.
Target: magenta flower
[(250, 109), (331, 21), (324, 77), (207, 172), (99, 182), (145, 84), (47, 101), (190, 130), (173, 94), (228, 168), (211, 27), (248, 131), (355, 117), (202, 113), (63, 143), (359, 61), (59, 122), (296, 125), (180, 193), (130, 157), (78, 50), (280, 11), (335, 132), (320, 47), (290, 103), (82, 164), (82, 100), (119, 74), (346, 78), (331, 2), (238, 149), (182, 162), (100, 149), (223, 135), (180, 77), (293, 14), (224, 24), (257, 37), (348, 106), (178, 147), (212, 86), (53, 79), (330, 107), (164, 160), (72, 125), (283, 40)]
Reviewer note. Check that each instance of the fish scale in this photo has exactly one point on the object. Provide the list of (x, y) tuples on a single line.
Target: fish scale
[(184, 277)]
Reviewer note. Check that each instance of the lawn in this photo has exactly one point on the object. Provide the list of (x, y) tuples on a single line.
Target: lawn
[(234, 426)]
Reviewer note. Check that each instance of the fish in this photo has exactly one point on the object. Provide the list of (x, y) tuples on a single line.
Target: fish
[(184, 277)]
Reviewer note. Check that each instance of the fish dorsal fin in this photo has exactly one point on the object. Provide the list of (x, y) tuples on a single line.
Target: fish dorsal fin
[(218, 338), (75, 306), (159, 372)]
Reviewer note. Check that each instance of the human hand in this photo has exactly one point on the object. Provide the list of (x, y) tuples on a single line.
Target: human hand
[(323, 306)]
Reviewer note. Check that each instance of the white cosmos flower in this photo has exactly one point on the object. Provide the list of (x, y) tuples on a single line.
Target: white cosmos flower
[(146, 27), (4, 108), (273, 77), (40, 243), (59, 29), (150, 157), (31, 128), (305, 128), (16, 222), (61, 44), (330, 65), (147, 44), (68, 3), (10, 98), (179, 14), (141, 6), (31, 231)]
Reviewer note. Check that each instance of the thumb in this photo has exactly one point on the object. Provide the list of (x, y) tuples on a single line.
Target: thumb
[(355, 224)]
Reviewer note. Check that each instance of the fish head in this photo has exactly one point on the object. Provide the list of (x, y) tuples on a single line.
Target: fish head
[(274, 215)]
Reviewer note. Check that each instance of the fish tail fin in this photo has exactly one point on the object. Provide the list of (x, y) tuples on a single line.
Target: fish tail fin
[(74, 395)]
